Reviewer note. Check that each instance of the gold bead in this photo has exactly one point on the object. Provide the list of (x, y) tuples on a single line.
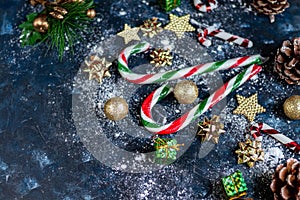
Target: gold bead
[(40, 24), (116, 108), (91, 13), (186, 92), (291, 107), (56, 15)]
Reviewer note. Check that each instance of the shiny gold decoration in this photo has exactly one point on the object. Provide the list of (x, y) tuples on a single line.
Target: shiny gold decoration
[(40, 24), (210, 130), (151, 27), (250, 152), (179, 25), (97, 68), (58, 13), (291, 107), (186, 92), (36, 2), (161, 57), (129, 34), (116, 108), (91, 13), (248, 107), (60, 10)]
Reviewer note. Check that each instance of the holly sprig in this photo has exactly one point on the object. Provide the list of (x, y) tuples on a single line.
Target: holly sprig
[(30, 36)]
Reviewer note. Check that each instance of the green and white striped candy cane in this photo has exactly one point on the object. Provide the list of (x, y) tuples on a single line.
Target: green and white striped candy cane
[(179, 73), (195, 112)]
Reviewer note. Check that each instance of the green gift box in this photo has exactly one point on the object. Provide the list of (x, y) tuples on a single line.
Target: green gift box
[(235, 185), (169, 5), (166, 150)]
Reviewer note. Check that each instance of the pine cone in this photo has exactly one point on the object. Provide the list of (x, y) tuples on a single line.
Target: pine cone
[(286, 181), (287, 61), (270, 7)]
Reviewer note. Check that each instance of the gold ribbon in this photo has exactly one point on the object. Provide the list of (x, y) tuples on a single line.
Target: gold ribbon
[(236, 189)]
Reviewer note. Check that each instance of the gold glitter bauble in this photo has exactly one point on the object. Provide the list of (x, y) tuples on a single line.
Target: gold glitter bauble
[(40, 24), (291, 107), (186, 92), (116, 108), (91, 13)]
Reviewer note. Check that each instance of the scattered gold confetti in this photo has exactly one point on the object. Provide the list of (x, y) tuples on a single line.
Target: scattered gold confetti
[(248, 107), (97, 68), (211, 129), (179, 25), (161, 57), (129, 34), (151, 27), (250, 152)]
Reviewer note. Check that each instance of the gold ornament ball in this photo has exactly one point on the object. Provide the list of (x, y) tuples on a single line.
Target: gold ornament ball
[(40, 24), (116, 108), (91, 13), (291, 107), (186, 92)]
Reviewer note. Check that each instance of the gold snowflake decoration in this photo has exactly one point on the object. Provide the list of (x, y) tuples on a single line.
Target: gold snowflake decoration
[(97, 68), (211, 129), (151, 27), (161, 57)]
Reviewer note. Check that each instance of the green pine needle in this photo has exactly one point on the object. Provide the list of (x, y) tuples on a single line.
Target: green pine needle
[(61, 33)]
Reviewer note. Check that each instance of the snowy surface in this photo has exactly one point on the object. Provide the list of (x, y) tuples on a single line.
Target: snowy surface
[(55, 142)]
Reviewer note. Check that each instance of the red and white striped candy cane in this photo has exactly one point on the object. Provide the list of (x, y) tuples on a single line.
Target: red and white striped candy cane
[(195, 112), (179, 73), (211, 4), (213, 31), (257, 128)]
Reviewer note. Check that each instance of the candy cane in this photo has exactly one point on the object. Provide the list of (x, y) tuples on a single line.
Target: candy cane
[(214, 30), (211, 4), (179, 73), (195, 112), (257, 128)]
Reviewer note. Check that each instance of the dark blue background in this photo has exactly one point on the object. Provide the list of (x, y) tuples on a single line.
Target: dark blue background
[(41, 157)]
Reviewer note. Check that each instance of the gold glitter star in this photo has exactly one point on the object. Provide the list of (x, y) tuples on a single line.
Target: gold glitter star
[(179, 25), (129, 34), (211, 129), (97, 68), (248, 107)]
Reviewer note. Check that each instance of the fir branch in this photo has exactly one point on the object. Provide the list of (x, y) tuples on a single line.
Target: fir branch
[(62, 33)]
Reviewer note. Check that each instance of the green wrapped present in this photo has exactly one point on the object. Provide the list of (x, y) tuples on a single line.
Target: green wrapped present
[(169, 5), (235, 185), (166, 150)]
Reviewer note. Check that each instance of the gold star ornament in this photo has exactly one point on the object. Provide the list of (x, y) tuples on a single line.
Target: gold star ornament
[(210, 130), (97, 68), (248, 107), (179, 25), (129, 34)]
